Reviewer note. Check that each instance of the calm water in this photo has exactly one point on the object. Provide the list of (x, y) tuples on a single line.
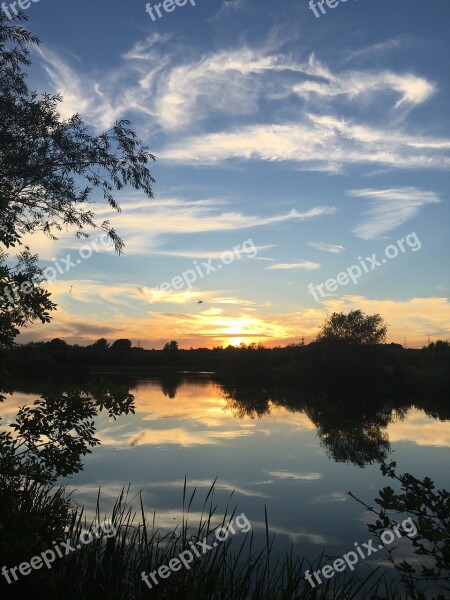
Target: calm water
[(299, 461)]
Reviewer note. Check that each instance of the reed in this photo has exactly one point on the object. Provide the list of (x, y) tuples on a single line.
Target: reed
[(110, 567)]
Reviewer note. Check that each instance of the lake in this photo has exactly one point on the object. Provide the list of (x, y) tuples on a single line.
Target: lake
[(296, 457)]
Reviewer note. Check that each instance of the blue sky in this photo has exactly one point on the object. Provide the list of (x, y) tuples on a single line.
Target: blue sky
[(320, 140)]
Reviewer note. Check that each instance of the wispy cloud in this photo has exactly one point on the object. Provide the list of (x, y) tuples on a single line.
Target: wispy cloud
[(304, 265), (140, 50), (295, 476), (177, 90), (145, 226), (333, 248), (142, 225), (410, 89), (214, 254), (330, 498), (389, 208), (377, 49), (320, 142), (229, 7)]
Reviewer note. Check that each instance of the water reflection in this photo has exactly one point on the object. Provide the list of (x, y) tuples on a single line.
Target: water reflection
[(270, 444), (170, 383), (352, 428)]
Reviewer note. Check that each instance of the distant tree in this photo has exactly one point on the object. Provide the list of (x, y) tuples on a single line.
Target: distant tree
[(121, 345), (438, 346), (355, 328), (50, 168), (100, 345), (171, 347), (57, 344)]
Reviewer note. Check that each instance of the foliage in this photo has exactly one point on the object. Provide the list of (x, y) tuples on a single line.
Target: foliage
[(354, 328), (49, 170), (171, 346), (373, 368), (51, 436), (110, 567), (430, 510), (101, 345), (16, 310), (121, 345), (47, 441), (32, 516)]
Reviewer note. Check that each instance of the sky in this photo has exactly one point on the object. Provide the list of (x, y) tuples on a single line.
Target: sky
[(302, 168)]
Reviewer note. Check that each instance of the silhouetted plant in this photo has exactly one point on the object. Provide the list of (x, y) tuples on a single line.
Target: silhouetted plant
[(51, 436), (430, 510), (171, 346), (101, 345), (48, 440), (49, 170), (122, 345), (354, 328)]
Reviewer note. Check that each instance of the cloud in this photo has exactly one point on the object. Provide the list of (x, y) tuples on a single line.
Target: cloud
[(295, 476), (319, 142), (377, 49), (263, 258), (411, 89), (186, 296), (140, 49), (333, 248), (190, 92), (390, 208), (213, 254), (330, 498), (412, 319), (93, 293), (421, 429), (176, 89), (144, 225), (231, 300), (228, 7), (87, 94), (304, 265)]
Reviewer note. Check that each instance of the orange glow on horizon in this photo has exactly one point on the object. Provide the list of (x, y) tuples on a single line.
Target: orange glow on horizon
[(222, 325)]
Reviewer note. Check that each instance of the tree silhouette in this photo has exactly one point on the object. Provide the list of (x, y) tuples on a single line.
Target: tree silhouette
[(354, 328), (428, 511), (171, 347), (100, 345), (49, 170), (121, 345)]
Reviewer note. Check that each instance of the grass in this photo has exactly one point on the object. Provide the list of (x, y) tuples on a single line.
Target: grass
[(110, 567)]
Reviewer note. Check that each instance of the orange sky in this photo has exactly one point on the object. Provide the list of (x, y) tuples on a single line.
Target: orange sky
[(221, 320)]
